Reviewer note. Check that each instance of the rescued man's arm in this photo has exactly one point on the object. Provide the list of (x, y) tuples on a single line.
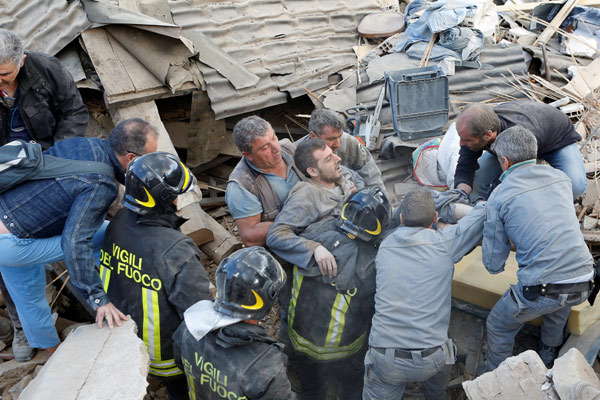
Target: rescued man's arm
[(252, 231)]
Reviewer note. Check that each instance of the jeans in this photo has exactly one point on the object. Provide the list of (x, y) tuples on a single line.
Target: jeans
[(386, 376), (512, 311), (22, 267), (567, 159)]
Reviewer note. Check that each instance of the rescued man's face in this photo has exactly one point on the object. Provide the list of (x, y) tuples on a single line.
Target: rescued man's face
[(332, 137), (266, 151), (328, 165), (8, 73)]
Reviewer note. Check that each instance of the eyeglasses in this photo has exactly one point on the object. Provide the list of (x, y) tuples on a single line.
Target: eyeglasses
[(134, 153)]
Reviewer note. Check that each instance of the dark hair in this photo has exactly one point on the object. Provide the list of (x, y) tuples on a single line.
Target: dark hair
[(130, 136), (248, 130), (418, 208), (304, 155), (322, 118), (479, 118)]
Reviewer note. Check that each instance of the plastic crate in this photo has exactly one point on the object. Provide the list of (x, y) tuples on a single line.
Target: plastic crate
[(419, 101)]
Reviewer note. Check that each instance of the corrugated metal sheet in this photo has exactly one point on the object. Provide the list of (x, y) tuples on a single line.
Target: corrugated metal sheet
[(44, 25), (290, 45)]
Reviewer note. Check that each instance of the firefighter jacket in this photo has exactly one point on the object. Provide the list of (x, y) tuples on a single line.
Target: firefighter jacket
[(328, 320), (49, 102), (239, 361), (152, 271)]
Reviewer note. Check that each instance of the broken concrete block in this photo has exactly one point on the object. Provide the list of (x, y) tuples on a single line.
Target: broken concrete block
[(12, 371), (16, 390), (519, 377), (94, 364), (570, 375), (590, 223)]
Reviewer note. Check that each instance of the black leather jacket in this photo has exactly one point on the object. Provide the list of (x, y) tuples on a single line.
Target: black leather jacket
[(49, 102)]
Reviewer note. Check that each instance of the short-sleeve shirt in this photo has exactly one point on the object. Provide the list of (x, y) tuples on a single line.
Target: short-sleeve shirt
[(243, 204)]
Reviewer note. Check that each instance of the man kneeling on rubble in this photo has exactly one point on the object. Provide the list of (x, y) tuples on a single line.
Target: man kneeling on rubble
[(328, 317), (532, 209), (415, 264), (149, 269), (224, 352)]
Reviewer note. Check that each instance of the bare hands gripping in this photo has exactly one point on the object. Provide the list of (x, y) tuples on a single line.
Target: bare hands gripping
[(326, 261), (112, 315)]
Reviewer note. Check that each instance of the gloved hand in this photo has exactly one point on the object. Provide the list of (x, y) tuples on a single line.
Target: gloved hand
[(326, 261)]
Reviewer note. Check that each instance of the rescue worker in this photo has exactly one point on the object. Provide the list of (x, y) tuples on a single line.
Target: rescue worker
[(149, 269), (38, 101), (415, 264), (327, 125), (479, 125), (262, 179), (224, 352), (327, 319), (532, 210)]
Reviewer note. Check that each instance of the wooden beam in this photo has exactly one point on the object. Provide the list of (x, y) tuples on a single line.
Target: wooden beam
[(555, 23), (531, 6)]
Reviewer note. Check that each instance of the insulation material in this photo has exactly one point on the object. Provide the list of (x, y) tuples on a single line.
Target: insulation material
[(473, 284)]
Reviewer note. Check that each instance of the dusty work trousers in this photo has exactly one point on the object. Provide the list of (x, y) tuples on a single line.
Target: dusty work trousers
[(386, 376), (512, 311), (342, 377)]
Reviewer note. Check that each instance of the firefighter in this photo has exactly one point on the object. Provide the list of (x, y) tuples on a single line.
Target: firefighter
[(149, 269), (224, 352)]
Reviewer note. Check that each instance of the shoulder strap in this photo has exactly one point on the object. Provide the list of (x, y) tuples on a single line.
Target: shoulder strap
[(55, 167)]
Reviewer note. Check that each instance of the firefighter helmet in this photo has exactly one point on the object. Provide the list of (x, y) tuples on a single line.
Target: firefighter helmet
[(365, 215), (248, 282), (153, 181)]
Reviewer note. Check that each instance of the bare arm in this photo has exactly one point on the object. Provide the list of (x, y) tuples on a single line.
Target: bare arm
[(252, 231)]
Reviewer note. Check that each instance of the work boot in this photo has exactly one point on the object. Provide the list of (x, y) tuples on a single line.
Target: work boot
[(6, 331), (20, 346), (548, 354)]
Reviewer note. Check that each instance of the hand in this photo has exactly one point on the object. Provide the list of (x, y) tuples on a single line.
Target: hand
[(464, 187), (326, 261), (112, 315), (353, 188)]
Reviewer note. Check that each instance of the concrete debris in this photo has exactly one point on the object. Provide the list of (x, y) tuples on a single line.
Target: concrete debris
[(12, 371), (525, 377), (517, 377), (87, 360), (16, 390), (574, 379)]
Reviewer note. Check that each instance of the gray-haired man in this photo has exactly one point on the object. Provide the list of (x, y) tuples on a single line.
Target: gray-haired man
[(532, 208), (261, 181), (327, 125)]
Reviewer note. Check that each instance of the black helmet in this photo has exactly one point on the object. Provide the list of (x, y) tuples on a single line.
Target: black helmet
[(153, 181), (365, 214), (248, 282)]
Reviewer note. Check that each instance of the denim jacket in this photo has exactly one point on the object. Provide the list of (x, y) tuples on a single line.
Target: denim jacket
[(71, 206), (533, 208)]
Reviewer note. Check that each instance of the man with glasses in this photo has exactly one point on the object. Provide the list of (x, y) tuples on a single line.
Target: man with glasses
[(38, 101), (48, 220)]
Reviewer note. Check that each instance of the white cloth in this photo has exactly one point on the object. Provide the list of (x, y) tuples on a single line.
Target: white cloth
[(202, 318)]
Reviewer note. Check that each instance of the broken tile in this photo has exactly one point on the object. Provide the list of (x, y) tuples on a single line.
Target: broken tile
[(590, 223), (570, 374), (12, 371), (87, 360)]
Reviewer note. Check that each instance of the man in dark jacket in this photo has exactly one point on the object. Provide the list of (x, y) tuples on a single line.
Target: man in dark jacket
[(224, 352), (478, 125), (38, 101), (50, 220), (149, 269)]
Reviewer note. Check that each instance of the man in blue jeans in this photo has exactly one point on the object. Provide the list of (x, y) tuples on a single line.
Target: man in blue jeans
[(479, 125), (532, 210), (49, 220)]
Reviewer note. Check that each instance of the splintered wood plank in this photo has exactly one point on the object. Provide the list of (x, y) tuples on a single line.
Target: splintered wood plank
[(555, 23), (107, 63)]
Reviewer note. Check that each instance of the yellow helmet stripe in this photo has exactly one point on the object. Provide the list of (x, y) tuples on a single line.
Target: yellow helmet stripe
[(343, 210), (150, 202), (376, 231), (187, 176), (258, 305)]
